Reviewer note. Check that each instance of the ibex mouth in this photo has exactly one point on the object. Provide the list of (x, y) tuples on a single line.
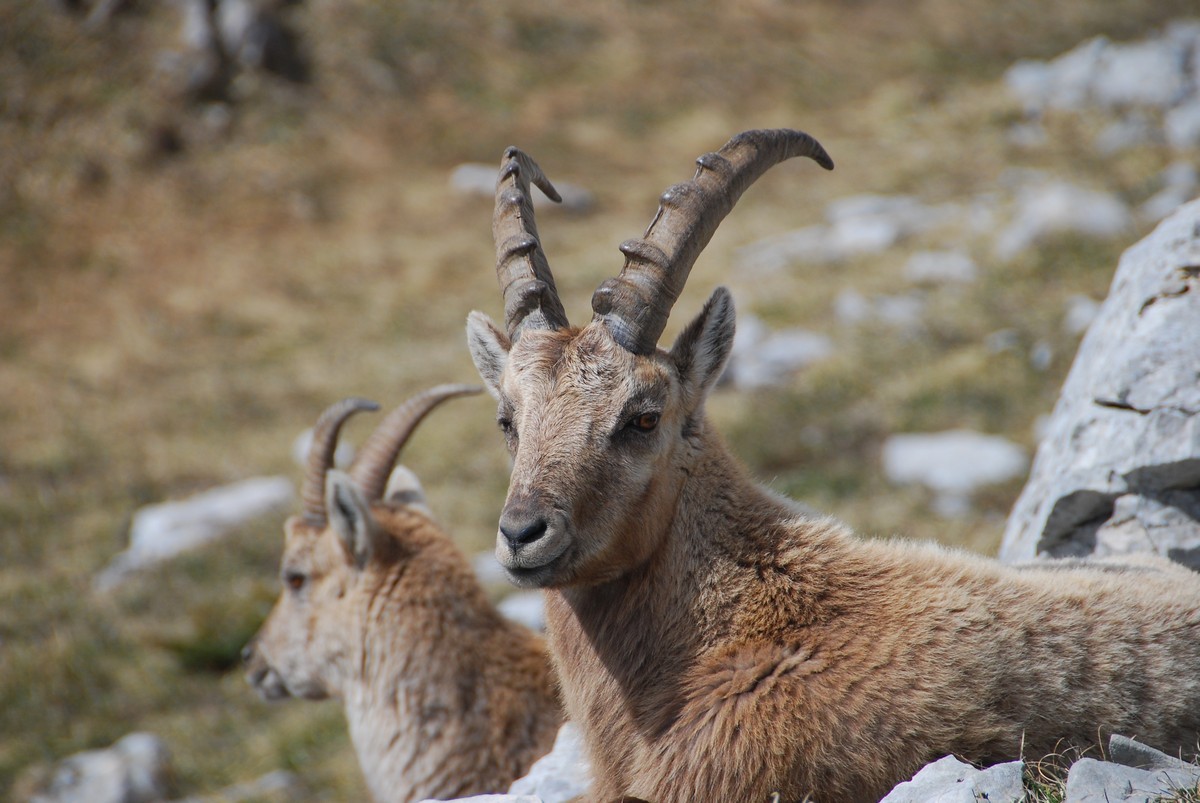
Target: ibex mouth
[(542, 576), (269, 684)]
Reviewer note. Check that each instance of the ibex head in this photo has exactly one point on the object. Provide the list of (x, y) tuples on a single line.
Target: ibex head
[(601, 423), (338, 551)]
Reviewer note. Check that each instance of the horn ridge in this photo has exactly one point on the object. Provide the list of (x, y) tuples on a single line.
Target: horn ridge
[(530, 297), (635, 305), (320, 455)]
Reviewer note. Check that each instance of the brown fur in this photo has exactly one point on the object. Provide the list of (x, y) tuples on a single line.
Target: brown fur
[(444, 697), (715, 645)]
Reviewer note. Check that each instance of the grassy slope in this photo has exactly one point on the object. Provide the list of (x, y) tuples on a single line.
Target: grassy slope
[(171, 322)]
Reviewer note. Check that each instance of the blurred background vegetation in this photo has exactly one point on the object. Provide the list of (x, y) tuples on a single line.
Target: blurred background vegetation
[(185, 285)]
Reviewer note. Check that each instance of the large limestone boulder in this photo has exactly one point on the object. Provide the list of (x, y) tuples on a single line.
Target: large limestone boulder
[(1118, 471)]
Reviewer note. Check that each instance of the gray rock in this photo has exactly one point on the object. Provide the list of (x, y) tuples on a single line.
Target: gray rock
[(1180, 182), (164, 530), (1131, 753), (488, 570), (904, 313), (525, 607), (1152, 73), (1092, 781), (558, 776), (1081, 311), (1125, 133), (949, 780), (1055, 208), (1128, 420), (474, 178), (761, 358), (134, 770), (940, 267), (857, 225), (956, 461), (343, 454), (1063, 83), (1181, 126), (561, 774)]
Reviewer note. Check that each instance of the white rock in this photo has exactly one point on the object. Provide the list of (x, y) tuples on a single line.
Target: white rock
[(857, 225), (1180, 182), (1064, 83), (488, 569), (134, 770), (1057, 208), (1126, 422), (164, 530), (771, 255), (1149, 73), (561, 774), (949, 780), (953, 462), (525, 607), (343, 453), (1128, 132), (1081, 311), (1182, 126), (761, 358), (905, 313), (937, 267), (851, 308)]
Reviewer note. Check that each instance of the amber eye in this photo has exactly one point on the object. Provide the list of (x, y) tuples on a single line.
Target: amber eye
[(294, 580), (646, 422)]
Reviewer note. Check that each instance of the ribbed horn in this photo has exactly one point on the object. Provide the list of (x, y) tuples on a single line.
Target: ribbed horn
[(378, 455), (635, 305), (320, 455), (530, 298)]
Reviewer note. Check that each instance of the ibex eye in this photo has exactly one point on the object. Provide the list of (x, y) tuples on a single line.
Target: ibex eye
[(646, 422), (294, 580)]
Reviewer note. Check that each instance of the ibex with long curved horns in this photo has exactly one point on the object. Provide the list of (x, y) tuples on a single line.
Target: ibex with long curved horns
[(443, 696), (715, 645)]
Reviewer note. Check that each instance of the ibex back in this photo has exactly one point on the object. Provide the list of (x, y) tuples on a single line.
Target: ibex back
[(716, 645), (443, 696)]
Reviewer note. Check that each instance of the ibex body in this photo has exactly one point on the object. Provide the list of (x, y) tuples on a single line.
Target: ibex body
[(715, 645), (443, 696)]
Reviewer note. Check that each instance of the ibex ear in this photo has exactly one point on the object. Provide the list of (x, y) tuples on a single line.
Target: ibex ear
[(404, 488), (351, 517), (702, 349), (489, 349)]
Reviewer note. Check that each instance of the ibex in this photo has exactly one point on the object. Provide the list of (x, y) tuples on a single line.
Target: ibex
[(443, 696), (715, 645)]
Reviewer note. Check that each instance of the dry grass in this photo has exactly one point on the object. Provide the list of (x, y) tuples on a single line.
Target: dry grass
[(171, 321)]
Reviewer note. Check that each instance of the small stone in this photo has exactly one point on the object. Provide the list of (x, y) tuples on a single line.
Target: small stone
[(940, 267), (949, 780), (953, 462)]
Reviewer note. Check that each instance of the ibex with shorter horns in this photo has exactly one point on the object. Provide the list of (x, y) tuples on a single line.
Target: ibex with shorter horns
[(444, 697), (715, 645)]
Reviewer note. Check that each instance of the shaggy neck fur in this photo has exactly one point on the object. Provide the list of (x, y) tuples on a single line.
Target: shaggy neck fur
[(445, 691)]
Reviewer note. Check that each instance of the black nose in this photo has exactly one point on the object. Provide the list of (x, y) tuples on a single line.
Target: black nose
[(521, 530)]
